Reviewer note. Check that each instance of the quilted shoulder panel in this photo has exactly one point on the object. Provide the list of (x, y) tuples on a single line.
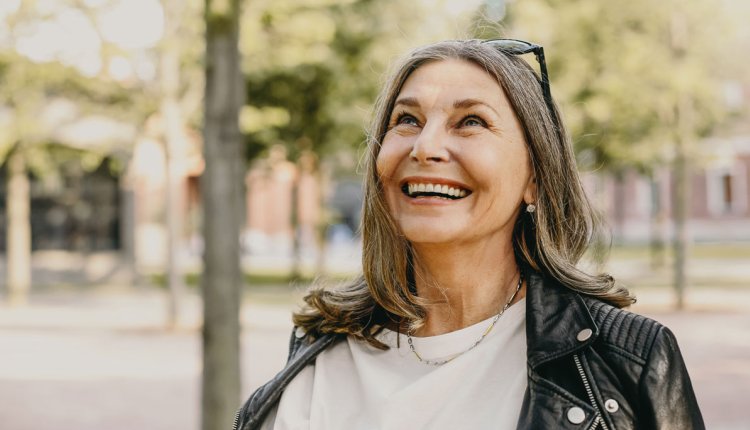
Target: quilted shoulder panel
[(623, 329)]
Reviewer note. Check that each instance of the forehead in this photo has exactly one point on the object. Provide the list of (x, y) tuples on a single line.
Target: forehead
[(450, 80)]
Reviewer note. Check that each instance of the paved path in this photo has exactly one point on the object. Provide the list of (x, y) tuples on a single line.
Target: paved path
[(103, 361)]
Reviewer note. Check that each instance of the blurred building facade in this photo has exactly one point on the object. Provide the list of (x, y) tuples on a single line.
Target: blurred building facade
[(103, 221), (77, 210), (639, 207)]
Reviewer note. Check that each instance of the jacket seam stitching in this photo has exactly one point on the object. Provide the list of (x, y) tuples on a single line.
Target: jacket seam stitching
[(623, 353), (645, 367), (606, 326), (648, 357)]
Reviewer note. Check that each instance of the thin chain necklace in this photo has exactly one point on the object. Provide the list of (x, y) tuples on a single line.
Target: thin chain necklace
[(474, 345)]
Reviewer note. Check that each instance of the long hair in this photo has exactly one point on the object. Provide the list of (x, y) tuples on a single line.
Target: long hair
[(550, 241)]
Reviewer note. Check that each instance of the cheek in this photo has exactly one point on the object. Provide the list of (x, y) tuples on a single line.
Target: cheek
[(503, 171), (386, 165), (386, 162)]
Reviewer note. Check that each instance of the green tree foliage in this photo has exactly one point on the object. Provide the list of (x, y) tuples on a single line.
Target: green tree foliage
[(641, 86), (619, 69), (43, 103), (313, 68), (40, 97)]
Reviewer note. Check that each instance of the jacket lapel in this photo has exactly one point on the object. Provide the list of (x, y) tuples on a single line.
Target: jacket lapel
[(556, 320)]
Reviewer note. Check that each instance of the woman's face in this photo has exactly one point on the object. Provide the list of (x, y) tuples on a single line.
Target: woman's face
[(454, 163)]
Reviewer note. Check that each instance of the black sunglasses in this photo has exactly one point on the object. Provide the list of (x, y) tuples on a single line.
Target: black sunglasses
[(521, 47)]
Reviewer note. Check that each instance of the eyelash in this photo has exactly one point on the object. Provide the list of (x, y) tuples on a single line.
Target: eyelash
[(401, 115), (476, 118)]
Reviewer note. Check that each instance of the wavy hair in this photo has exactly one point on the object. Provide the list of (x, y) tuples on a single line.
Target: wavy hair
[(550, 241)]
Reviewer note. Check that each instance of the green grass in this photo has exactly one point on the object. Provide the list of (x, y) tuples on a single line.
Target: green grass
[(272, 288), (738, 250), (280, 288), (279, 279), (651, 282)]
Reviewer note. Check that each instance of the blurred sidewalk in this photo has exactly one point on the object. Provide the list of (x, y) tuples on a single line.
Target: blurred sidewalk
[(103, 359)]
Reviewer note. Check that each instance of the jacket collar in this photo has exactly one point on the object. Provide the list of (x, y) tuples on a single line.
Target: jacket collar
[(556, 320)]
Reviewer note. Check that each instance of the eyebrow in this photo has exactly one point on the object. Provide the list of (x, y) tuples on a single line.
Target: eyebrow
[(469, 103), (407, 101), (458, 104)]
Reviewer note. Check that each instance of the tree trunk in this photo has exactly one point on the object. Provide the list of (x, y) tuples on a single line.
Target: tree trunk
[(174, 140), (127, 225), (174, 220), (681, 202), (619, 207), (680, 224), (658, 217), (681, 171), (222, 205), (18, 246), (295, 273), (599, 244), (324, 219)]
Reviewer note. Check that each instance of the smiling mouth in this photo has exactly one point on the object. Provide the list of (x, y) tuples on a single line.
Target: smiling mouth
[(426, 189)]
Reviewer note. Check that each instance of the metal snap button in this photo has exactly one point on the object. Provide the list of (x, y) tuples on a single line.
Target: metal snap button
[(576, 415), (611, 405), (299, 332), (584, 334)]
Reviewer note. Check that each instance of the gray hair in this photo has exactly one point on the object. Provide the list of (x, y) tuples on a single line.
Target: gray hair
[(552, 240)]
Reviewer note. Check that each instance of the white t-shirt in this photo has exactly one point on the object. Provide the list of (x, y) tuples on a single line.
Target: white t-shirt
[(355, 386)]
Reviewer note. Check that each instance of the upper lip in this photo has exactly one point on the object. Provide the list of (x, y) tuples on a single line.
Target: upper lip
[(434, 180)]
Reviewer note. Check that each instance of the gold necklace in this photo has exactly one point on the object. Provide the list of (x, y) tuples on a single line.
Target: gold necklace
[(474, 345)]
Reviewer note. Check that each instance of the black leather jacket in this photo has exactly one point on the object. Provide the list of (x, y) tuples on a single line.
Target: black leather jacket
[(590, 366)]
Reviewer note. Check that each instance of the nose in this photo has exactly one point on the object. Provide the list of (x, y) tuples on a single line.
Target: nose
[(430, 146)]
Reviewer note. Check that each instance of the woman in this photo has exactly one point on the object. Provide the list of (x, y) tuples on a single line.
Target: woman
[(471, 312)]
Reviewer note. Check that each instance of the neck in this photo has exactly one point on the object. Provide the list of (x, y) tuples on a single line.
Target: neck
[(463, 284)]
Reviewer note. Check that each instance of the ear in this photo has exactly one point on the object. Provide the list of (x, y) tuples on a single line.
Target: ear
[(529, 194)]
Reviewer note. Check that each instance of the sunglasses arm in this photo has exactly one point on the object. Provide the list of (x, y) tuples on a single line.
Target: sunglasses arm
[(539, 53)]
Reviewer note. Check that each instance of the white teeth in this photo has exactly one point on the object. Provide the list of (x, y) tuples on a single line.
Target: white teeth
[(436, 188)]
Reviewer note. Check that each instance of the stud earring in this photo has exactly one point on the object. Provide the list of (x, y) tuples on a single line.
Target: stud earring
[(530, 208)]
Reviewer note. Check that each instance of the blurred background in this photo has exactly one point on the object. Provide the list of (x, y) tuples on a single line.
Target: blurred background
[(102, 150)]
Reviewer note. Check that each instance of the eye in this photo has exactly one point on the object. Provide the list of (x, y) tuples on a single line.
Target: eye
[(406, 119), (472, 121)]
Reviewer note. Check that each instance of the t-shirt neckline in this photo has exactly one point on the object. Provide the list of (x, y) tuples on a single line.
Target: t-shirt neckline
[(458, 341)]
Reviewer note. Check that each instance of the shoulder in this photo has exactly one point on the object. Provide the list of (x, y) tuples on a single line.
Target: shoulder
[(659, 376), (303, 349), (625, 331)]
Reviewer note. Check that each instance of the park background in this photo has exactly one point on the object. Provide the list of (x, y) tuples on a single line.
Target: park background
[(106, 137)]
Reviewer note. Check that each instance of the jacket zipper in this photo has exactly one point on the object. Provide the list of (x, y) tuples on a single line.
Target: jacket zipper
[(599, 420), (236, 419)]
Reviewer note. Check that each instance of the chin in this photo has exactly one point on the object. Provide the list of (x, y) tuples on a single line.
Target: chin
[(429, 234)]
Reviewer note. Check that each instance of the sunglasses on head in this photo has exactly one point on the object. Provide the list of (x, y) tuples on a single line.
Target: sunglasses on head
[(521, 47)]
